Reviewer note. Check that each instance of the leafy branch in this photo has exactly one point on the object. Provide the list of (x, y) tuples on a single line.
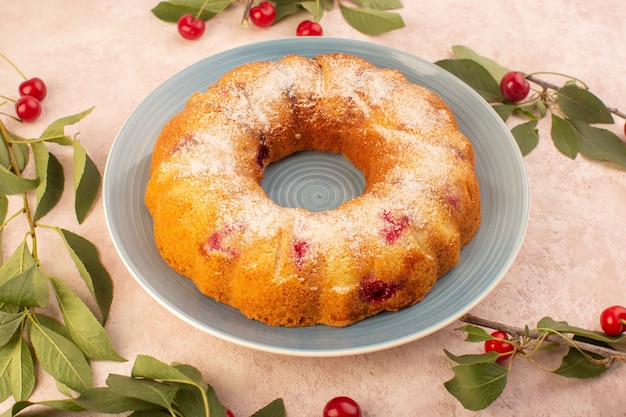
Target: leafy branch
[(479, 380), (154, 388), (574, 110), (65, 346), (371, 17)]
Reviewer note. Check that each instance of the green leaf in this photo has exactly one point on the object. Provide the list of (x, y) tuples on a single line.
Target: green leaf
[(150, 368), (22, 371), (496, 70), (53, 324), (4, 207), (526, 135), (474, 75), (11, 184), (20, 150), (473, 358), (580, 104), (274, 409), (576, 365), (379, 4), (600, 144), (5, 159), (314, 8), (6, 356), (28, 288), (564, 136), (286, 9), (171, 11), (547, 324), (477, 385), (84, 328), (86, 181), (531, 111), (504, 110), (62, 405), (542, 109), (328, 4), (51, 180), (191, 402), (475, 333), (87, 261), (55, 132), (9, 323), (192, 374), (149, 391), (17, 408), (61, 358), (105, 400), (371, 21), (17, 263), (5, 389)]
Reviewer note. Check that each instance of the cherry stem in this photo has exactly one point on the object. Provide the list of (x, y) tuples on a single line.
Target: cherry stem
[(548, 85), (608, 353), (13, 65), (246, 13), (201, 9), (8, 99)]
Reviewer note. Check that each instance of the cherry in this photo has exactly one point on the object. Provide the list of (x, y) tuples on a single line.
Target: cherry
[(514, 86), (229, 413), (342, 407), (34, 87), (263, 14), (300, 248), (504, 348), (373, 290), (394, 226), (613, 320), (190, 27), (28, 108), (309, 28)]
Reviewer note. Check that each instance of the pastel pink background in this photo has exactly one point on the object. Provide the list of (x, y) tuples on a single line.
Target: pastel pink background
[(112, 54)]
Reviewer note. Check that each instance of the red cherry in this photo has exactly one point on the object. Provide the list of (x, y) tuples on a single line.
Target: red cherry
[(504, 348), (35, 87), (190, 27), (342, 407), (28, 108), (613, 320), (309, 28), (229, 413), (263, 14), (514, 86)]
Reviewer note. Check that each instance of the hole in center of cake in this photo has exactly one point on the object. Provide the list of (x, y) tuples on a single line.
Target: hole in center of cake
[(312, 180)]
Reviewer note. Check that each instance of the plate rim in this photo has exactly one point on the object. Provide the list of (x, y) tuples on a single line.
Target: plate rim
[(324, 43)]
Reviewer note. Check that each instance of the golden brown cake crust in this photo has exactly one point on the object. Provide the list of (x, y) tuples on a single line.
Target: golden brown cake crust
[(383, 250)]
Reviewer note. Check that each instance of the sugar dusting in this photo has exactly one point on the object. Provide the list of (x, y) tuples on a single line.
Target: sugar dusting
[(420, 170)]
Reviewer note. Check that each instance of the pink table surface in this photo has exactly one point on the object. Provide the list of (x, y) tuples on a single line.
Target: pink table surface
[(571, 265)]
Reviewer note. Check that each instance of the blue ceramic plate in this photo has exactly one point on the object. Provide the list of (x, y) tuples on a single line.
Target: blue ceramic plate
[(504, 197)]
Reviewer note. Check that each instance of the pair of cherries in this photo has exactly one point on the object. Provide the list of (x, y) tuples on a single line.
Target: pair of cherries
[(32, 92)]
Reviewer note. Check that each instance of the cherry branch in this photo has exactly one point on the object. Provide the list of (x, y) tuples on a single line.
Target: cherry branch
[(608, 353), (549, 86)]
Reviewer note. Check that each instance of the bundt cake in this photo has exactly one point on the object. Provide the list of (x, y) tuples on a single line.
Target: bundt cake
[(382, 250)]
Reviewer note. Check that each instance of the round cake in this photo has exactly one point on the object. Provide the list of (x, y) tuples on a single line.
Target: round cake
[(382, 250)]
